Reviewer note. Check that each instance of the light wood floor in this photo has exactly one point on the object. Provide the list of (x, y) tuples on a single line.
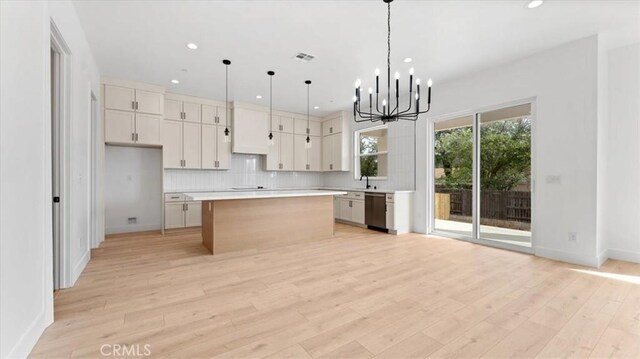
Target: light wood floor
[(359, 295)]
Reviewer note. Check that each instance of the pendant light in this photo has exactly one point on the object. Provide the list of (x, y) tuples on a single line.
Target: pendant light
[(389, 112), (308, 140), (270, 73), (227, 138)]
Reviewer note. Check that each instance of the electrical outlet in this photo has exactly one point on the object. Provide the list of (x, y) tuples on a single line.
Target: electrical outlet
[(573, 237), (554, 179), (132, 220)]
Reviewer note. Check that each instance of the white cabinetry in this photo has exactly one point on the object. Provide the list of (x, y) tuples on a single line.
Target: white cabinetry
[(280, 156), (193, 134), (335, 143), (399, 212), (132, 115), (179, 213), (307, 159), (350, 207)]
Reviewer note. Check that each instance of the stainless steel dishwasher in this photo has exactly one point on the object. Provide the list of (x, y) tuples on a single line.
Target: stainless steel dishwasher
[(375, 212)]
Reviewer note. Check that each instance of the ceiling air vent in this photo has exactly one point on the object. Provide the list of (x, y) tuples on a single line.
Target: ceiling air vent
[(304, 57)]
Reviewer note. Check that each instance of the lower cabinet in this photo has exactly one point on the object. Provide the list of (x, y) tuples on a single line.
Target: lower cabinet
[(179, 213), (350, 208)]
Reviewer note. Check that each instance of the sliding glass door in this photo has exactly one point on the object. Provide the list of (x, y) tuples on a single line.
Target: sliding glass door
[(482, 177)]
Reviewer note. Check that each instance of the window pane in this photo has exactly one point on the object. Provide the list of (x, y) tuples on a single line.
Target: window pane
[(373, 141)]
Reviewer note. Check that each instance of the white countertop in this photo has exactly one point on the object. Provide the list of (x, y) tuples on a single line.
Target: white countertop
[(377, 190), (220, 196), (342, 189)]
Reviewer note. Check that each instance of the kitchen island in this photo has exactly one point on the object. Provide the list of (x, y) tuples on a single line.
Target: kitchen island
[(250, 220)]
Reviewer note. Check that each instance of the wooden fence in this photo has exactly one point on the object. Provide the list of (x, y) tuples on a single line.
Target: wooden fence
[(503, 205)]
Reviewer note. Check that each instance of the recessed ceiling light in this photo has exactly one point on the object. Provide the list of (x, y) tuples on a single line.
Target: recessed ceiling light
[(534, 4), (407, 59), (258, 97), (316, 107), (175, 81), (192, 46)]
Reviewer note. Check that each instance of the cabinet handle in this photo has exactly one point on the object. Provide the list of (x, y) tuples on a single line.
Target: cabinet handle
[(136, 137), (308, 131), (331, 166), (186, 206), (136, 105), (216, 120), (133, 136), (350, 204), (280, 127), (330, 129), (308, 166)]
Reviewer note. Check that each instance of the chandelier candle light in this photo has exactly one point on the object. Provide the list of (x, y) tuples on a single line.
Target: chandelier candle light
[(227, 138), (389, 114), (270, 73)]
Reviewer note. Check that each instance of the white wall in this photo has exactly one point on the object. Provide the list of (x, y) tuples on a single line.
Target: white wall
[(26, 292), (619, 149), (564, 82), (133, 182), (245, 171)]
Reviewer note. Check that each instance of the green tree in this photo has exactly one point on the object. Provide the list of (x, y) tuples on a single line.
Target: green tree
[(505, 155), (368, 164)]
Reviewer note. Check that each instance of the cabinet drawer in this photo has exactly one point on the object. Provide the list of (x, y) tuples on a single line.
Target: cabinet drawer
[(389, 197), (173, 197), (356, 195)]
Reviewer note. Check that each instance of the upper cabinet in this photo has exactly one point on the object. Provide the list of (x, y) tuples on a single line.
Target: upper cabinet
[(282, 124), (301, 128), (335, 142), (132, 113), (193, 135), (250, 131)]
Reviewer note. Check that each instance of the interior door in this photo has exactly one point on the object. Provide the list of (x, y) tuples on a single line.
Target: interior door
[(148, 129), (119, 126), (286, 151), (149, 102), (172, 144), (223, 149), (119, 98), (191, 144), (209, 148)]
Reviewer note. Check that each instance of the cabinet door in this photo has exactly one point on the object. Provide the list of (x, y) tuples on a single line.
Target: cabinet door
[(336, 151), (171, 144), (209, 146), (286, 151), (272, 162), (336, 125), (390, 216), (148, 129), (174, 215), (336, 207), (345, 209), (223, 150), (119, 98), (300, 126), (315, 128), (286, 124), (314, 154), (119, 126), (357, 211), (299, 153), (274, 123), (209, 114), (150, 102), (173, 110), (191, 145), (327, 128), (222, 116), (193, 214), (327, 155), (191, 111)]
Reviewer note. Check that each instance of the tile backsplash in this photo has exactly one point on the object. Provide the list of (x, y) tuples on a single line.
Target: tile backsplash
[(246, 171)]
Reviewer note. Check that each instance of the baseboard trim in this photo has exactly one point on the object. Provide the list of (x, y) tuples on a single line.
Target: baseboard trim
[(623, 255), (31, 336), (132, 229), (79, 267), (566, 257)]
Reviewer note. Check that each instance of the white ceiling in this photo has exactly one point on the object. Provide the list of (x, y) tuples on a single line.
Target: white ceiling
[(145, 41)]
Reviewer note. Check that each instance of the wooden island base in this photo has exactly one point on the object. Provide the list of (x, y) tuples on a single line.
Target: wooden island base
[(243, 224)]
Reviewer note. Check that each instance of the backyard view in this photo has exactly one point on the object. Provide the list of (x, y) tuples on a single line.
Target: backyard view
[(505, 171)]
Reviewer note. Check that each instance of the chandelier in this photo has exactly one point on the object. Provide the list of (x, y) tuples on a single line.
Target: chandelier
[(389, 113)]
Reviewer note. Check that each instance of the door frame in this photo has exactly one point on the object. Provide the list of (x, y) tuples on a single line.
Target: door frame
[(62, 72), (475, 114)]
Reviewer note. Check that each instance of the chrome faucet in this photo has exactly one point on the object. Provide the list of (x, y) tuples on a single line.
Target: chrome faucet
[(368, 186)]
